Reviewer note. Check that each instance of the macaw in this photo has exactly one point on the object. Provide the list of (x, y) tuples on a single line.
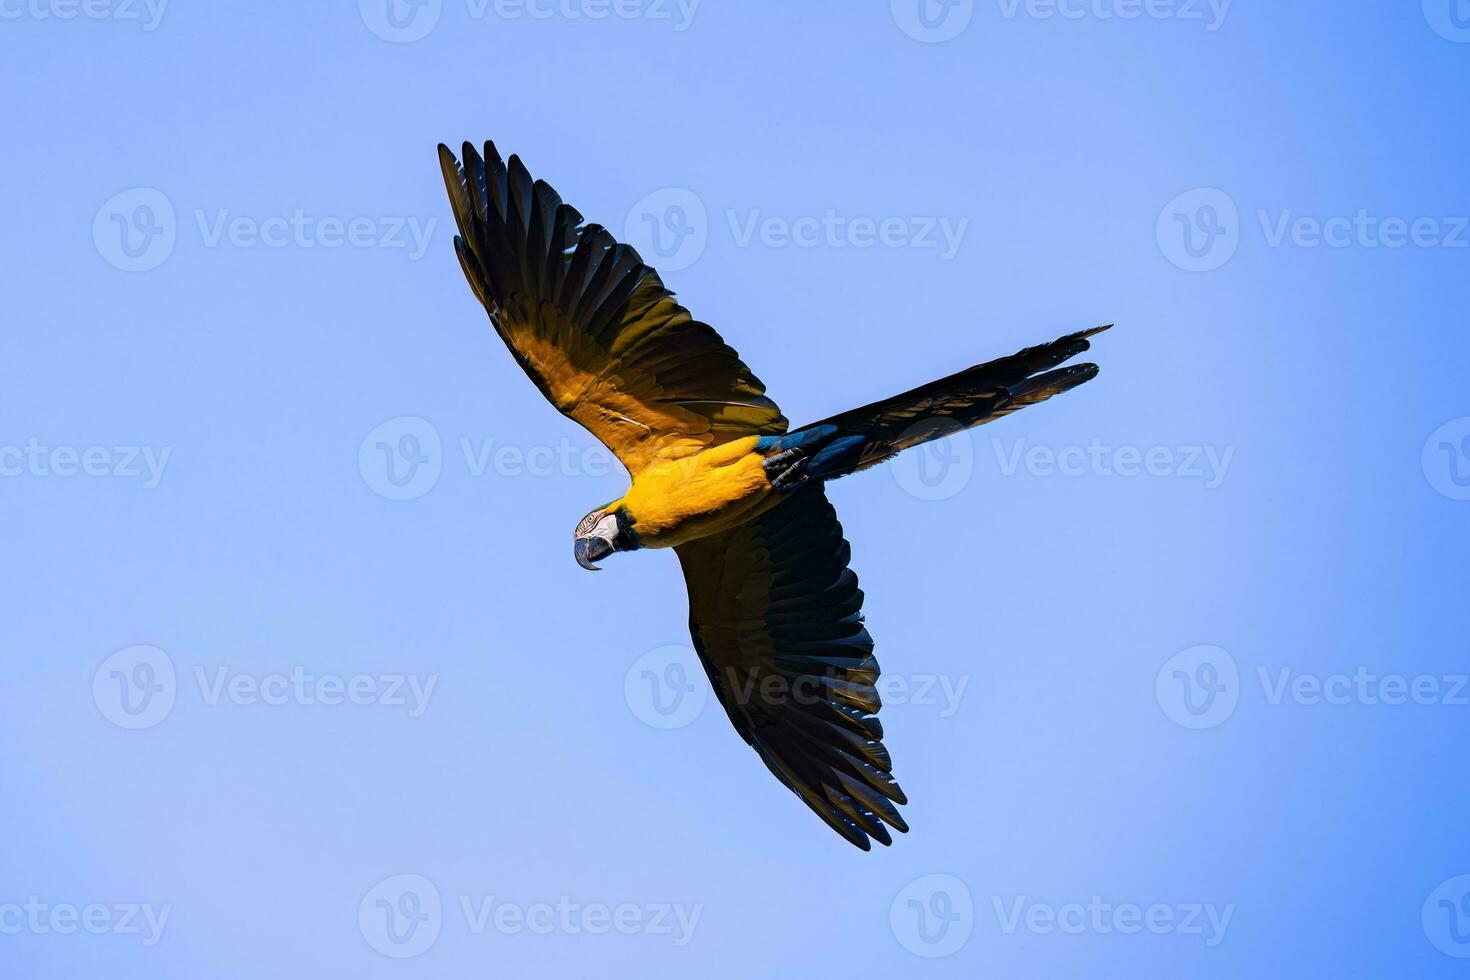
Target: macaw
[(719, 476)]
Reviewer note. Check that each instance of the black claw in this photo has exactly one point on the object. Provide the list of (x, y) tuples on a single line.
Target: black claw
[(787, 470)]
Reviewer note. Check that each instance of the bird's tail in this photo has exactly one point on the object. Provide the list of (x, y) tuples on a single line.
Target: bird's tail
[(866, 436)]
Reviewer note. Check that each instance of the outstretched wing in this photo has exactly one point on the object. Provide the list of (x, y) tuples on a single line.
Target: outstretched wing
[(592, 325), (776, 617)]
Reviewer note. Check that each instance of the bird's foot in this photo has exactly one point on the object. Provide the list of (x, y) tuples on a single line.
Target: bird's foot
[(787, 470)]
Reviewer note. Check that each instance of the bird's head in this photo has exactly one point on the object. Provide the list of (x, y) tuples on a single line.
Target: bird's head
[(600, 533)]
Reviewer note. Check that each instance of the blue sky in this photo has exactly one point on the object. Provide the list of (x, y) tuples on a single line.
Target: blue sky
[(300, 675)]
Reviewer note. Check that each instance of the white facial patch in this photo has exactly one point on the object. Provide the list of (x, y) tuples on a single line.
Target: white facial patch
[(606, 529)]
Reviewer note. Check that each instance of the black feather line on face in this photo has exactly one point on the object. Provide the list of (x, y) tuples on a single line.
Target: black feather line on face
[(627, 536)]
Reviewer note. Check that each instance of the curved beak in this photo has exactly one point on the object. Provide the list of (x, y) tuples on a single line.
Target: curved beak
[(589, 550)]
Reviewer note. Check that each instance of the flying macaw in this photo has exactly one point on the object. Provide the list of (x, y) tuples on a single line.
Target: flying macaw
[(719, 476)]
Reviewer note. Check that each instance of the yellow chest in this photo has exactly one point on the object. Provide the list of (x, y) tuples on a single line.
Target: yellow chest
[(699, 495)]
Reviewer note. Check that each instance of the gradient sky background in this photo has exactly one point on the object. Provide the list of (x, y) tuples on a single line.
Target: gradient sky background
[(1061, 607)]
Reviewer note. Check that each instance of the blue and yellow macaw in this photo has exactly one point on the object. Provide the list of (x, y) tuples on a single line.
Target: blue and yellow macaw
[(718, 475)]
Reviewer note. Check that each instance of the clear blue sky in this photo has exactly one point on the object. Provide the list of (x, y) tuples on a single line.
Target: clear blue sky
[(1139, 640)]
